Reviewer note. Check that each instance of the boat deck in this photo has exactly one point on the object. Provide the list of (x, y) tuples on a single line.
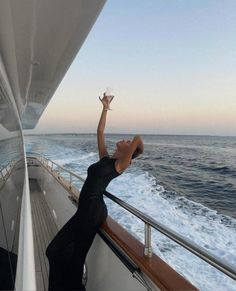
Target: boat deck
[(44, 229)]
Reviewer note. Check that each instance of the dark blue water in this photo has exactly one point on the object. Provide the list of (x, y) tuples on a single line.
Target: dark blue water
[(201, 168)]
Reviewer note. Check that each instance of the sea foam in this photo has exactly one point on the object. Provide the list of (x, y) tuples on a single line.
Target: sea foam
[(210, 230)]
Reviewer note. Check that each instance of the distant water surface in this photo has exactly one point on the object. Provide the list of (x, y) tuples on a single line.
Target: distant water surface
[(186, 182), (201, 168)]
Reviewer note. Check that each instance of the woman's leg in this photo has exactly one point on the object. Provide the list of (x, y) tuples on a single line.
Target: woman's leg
[(96, 214), (81, 249), (60, 252), (68, 250)]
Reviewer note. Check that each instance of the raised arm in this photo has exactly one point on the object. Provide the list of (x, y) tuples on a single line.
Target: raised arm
[(102, 150)]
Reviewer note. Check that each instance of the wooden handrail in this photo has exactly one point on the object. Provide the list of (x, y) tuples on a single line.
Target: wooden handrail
[(155, 268)]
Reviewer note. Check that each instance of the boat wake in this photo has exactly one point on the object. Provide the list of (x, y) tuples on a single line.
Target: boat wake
[(213, 231)]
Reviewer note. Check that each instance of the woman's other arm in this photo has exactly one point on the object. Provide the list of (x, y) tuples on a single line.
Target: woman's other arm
[(137, 146)]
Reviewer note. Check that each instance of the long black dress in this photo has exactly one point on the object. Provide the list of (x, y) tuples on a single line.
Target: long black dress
[(67, 251)]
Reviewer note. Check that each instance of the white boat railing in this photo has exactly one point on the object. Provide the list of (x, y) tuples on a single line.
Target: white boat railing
[(149, 222), (25, 274)]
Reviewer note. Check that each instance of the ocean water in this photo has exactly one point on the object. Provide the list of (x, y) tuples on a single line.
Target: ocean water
[(187, 183)]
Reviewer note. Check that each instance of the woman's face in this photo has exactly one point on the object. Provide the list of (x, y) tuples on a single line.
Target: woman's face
[(123, 144)]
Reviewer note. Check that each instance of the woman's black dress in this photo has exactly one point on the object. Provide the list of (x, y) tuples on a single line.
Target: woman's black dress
[(67, 251)]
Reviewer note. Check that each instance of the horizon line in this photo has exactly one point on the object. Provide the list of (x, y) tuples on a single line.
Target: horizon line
[(109, 133)]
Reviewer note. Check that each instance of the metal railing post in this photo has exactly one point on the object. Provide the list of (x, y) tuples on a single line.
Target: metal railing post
[(147, 241), (70, 181)]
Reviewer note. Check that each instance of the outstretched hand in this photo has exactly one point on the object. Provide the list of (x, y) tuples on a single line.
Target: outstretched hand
[(106, 100)]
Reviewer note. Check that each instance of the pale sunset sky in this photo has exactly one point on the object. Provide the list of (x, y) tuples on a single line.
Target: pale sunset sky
[(172, 65)]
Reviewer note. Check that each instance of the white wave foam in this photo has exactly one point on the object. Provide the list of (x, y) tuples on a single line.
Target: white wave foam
[(198, 223)]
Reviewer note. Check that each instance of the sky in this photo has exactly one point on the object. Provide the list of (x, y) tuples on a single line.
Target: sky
[(171, 64)]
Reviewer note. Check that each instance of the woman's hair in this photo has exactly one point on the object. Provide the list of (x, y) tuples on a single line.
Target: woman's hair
[(136, 153)]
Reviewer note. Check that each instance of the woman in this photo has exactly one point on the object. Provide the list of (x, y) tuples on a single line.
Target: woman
[(67, 251)]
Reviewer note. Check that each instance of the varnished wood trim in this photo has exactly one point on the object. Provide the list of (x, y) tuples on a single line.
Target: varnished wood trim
[(155, 268)]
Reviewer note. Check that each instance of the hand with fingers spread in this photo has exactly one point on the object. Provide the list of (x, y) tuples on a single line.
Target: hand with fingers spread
[(106, 100)]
